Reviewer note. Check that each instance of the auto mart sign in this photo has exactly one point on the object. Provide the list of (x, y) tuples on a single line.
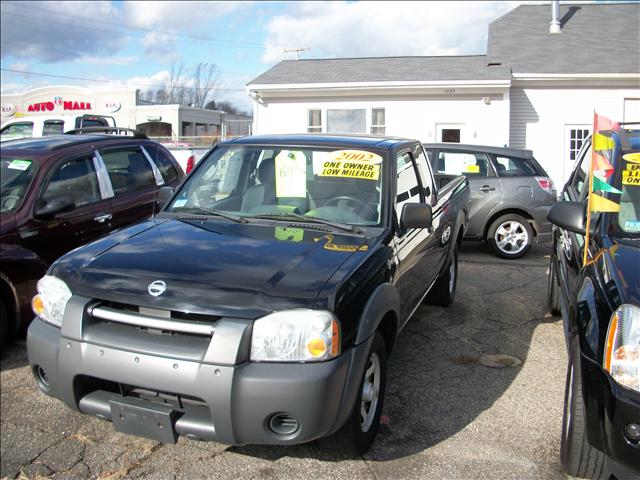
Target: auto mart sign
[(57, 104)]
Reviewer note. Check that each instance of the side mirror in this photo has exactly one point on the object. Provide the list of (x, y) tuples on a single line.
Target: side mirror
[(568, 215), (63, 203), (164, 194), (416, 215)]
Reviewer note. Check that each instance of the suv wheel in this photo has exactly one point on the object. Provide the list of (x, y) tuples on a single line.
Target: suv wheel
[(553, 292), (510, 236), (444, 290), (359, 432), (577, 455)]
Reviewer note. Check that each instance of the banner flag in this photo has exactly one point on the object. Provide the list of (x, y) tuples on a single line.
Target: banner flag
[(601, 185), (601, 165), (601, 204)]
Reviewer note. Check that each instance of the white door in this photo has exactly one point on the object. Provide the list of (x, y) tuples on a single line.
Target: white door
[(450, 132)]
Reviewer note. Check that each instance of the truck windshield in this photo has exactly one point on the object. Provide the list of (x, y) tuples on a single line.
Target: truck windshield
[(338, 185), (15, 177), (626, 222)]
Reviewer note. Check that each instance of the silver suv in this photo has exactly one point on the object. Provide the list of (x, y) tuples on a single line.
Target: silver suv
[(510, 194)]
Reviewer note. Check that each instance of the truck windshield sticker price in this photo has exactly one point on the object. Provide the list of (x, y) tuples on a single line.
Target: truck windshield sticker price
[(350, 164), (291, 174), (631, 176)]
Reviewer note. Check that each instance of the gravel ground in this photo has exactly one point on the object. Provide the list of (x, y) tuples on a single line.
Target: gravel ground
[(446, 415)]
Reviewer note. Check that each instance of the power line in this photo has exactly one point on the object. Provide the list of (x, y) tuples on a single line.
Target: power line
[(67, 77), (192, 38), (117, 61)]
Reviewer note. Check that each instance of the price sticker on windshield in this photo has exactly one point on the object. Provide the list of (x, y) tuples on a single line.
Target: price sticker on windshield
[(631, 176), (19, 164), (291, 174), (351, 164)]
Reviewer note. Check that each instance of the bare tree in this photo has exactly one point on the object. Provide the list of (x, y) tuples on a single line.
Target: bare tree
[(196, 90)]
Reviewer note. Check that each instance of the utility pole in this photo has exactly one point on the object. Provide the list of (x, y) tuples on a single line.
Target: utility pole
[(297, 51)]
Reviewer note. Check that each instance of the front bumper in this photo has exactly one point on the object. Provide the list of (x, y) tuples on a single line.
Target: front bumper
[(229, 403), (609, 408)]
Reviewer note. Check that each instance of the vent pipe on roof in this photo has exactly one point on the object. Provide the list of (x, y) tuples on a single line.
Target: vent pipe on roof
[(554, 26)]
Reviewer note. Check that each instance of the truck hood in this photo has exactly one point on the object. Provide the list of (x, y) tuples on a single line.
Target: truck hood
[(210, 267)]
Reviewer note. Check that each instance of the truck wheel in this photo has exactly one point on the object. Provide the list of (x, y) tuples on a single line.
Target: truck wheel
[(553, 290), (577, 456), (360, 429), (444, 290), (510, 236)]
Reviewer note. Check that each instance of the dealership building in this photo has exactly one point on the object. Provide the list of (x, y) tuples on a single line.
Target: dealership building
[(126, 107), (537, 87)]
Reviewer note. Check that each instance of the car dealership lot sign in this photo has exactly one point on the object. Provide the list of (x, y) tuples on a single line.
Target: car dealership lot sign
[(8, 109), (59, 104)]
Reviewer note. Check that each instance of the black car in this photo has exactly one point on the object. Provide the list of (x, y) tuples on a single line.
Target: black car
[(61, 191), (600, 306), (261, 304), (510, 194)]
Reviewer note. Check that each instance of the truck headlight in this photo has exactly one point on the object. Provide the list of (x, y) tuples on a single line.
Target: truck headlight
[(622, 350), (295, 336), (51, 300)]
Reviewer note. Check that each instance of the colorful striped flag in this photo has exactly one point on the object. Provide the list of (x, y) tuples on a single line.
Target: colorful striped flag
[(600, 169)]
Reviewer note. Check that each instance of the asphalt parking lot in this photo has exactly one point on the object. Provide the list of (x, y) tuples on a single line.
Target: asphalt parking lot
[(446, 414)]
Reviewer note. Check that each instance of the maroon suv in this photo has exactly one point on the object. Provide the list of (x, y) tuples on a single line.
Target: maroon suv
[(60, 192)]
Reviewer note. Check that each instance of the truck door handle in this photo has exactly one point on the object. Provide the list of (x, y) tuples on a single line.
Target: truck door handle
[(103, 218), (487, 188)]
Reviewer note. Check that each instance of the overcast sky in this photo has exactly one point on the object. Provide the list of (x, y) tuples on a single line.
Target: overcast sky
[(108, 43)]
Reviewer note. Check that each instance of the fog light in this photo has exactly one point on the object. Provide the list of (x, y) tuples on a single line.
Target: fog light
[(632, 431), (42, 380), (283, 424)]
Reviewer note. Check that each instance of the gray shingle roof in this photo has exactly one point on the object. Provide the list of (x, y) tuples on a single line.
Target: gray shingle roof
[(595, 38), (382, 69)]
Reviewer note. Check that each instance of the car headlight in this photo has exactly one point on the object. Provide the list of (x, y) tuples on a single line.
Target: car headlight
[(51, 300), (622, 350), (295, 336)]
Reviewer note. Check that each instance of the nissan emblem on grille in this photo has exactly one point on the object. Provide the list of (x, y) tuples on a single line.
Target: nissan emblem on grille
[(157, 288)]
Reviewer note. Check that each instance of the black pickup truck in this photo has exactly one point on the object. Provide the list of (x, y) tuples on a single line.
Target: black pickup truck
[(262, 303)]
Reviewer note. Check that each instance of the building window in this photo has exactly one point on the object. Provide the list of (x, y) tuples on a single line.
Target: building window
[(451, 135), (576, 138), (347, 121), (377, 121), (315, 121)]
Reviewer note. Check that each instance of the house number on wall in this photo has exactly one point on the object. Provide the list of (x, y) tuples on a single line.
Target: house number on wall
[(449, 91)]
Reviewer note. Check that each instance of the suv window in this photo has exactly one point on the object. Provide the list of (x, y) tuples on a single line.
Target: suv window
[(76, 178), (52, 127), (515, 167), (168, 171), (471, 164), (407, 183), (581, 175), (129, 170), (18, 130)]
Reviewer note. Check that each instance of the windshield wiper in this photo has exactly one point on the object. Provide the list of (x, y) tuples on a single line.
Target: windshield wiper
[(304, 218), (213, 212)]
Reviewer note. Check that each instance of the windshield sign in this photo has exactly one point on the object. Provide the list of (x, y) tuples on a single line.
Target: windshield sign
[(15, 176), (629, 214), (341, 186)]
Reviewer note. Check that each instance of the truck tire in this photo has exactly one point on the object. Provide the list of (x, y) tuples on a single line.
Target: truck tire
[(358, 433), (510, 236), (443, 291), (553, 290), (577, 456)]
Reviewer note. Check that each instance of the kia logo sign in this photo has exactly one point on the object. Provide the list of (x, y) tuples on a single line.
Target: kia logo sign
[(157, 288), (8, 109), (111, 107)]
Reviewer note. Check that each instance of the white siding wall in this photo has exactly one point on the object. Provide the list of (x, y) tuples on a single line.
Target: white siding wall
[(541, 117), (412, 117)]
